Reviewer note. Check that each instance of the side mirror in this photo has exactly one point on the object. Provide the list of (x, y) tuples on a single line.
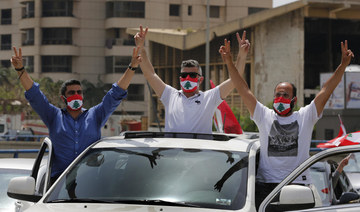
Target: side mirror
[(23, 188), (294, 197), (95, 160)]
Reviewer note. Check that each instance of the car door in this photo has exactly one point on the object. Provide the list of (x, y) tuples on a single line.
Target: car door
[(336, 185), (40, 175), (42, 167)]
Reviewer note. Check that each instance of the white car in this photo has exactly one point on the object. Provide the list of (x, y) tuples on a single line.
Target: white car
[(151, 171)]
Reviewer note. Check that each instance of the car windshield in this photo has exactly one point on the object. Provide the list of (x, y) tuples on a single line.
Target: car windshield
[(7, 203), (353, 165), (157, 176)]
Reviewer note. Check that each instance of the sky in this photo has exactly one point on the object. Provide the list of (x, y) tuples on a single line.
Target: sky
[(277, 3)]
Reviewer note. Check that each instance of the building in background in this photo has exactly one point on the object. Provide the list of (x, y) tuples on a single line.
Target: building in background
[(87, 39), (295, 42)]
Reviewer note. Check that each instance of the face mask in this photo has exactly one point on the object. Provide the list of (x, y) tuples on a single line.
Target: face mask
[(189, 84), (283, 106), (74, 102)]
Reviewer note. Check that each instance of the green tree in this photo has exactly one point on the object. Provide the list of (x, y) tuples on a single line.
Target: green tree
[(245, 121), (12, 98), (51, 90), (93, 94)]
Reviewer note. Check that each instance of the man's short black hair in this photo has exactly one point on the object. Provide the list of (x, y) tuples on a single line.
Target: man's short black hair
[(292, 85), (191, 63), (67, 83)]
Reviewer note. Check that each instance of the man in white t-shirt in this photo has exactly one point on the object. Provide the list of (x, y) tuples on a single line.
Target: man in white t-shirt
[(285, 135), (188, 109)]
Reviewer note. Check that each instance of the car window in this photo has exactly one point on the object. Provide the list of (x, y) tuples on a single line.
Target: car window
[(330, 184), (319, 174), (7, 203), (205, 178)]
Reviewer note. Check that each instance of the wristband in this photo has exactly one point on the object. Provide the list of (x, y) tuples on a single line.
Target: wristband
[(21, 74), (132, 68), (19, 69)]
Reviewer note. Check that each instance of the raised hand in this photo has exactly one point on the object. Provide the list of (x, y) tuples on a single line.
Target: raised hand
[(140, 37), (225, 51), (16, 60), (244, 44), (136, 58), (346, 54)]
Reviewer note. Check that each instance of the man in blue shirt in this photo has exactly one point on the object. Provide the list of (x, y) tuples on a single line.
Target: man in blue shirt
[(73, 128)]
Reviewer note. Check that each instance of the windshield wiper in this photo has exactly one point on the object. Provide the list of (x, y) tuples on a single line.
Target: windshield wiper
[(84, 200), (156, 202)]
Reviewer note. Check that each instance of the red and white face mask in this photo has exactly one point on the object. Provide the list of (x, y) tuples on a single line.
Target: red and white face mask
[(189, 84), (282, 106), (74, 102)]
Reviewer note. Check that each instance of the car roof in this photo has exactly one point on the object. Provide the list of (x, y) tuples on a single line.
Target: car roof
[(17, 163), (228, 142)]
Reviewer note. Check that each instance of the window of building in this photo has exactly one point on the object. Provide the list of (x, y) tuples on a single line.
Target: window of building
[(117, 64), (119, 37), (135, 92), (125, 9), (5, 42), (5, 16), (57, 8), (252, 10), (56, 64), (214, 11), (189, 10), (29, 10), (28, 37), (174, 10), (56, 36), (29, 63), (5, 63)]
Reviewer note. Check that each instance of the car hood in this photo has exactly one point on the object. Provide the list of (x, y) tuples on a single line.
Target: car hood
[(89, 207)]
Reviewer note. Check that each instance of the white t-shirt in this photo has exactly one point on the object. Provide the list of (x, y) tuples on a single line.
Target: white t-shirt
[(192, 114), (284, 142)]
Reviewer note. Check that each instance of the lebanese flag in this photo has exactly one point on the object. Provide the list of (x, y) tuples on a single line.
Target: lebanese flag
[(335, 141), (342, 130), (227, 120)]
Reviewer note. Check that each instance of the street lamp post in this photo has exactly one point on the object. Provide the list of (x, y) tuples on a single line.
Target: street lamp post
[(207, 49)]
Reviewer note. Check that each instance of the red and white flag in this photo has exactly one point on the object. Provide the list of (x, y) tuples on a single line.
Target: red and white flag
[(342, 139), (225, 120)]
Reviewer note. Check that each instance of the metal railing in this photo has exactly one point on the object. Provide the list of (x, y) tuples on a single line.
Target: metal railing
[(22, 137), (16, 152)]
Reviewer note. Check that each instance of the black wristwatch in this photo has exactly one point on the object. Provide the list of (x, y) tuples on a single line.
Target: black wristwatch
[(132, 68), (20, 69)]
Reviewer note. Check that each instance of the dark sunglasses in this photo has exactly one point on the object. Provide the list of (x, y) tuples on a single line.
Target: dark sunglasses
[(72, 92), (191, 74)]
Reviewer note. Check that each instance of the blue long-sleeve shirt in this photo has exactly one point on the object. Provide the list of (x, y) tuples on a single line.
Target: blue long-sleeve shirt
[(71, 136)]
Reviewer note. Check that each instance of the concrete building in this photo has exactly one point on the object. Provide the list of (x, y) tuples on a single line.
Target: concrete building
[(294, 42), (87, 39)]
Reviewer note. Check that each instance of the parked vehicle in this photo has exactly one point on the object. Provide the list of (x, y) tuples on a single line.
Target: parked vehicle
[(151, 171)]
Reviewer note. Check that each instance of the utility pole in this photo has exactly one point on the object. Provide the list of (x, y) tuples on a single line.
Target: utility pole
[(207, 48)]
